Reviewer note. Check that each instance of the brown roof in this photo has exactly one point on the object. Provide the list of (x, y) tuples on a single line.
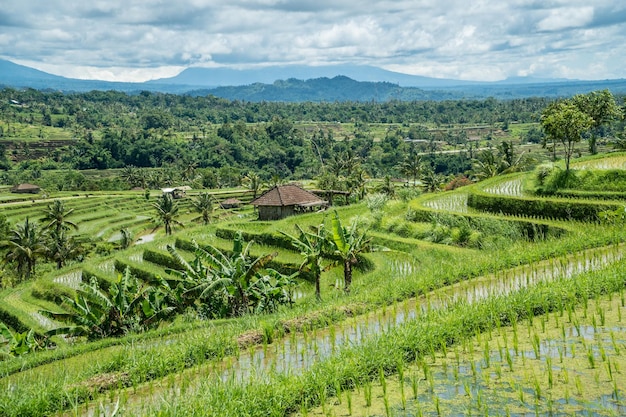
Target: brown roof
[(287, 195), (25, 186), (231, 201)]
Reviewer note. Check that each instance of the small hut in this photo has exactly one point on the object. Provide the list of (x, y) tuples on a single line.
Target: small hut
[(26, 189), (230, 203), (286, 200)]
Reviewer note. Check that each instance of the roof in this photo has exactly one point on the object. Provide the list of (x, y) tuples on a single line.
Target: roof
[(287, 195), (231, 201), (25, 186)]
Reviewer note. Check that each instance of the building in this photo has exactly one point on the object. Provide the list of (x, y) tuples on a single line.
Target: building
[(286, 200), (230, 203), (26, 189)]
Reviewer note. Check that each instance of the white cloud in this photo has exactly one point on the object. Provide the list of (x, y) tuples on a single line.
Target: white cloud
[(566, 17), (483, 39)]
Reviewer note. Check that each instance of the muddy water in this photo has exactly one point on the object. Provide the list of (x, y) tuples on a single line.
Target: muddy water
[(298, 352)]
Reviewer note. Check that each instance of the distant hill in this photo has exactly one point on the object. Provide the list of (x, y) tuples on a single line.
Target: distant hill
[(221, 77), (339, 88), (301, 83)]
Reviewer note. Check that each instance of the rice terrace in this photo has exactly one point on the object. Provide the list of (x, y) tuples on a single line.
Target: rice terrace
[(188, 256)]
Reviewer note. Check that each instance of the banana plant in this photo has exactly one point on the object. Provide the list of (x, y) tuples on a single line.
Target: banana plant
[(14, 344), (129, 305), (348, 243), (312, 246)]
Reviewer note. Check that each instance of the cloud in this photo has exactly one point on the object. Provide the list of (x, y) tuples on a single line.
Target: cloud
[(482, 39)]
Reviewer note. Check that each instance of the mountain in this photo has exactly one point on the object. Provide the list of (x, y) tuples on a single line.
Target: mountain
[(220, 77), (322, 83), (338, 88)]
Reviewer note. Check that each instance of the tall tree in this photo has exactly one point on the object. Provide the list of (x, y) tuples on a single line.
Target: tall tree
[(62, 248), (564, 122), (167, 211), (55, 216), (253, 183), (25, 245), (601, 107), (203, 204)]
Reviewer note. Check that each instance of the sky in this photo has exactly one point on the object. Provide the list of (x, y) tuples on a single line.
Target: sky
[(486, 40)]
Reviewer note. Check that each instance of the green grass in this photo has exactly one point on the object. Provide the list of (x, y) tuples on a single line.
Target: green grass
[(180, 354)]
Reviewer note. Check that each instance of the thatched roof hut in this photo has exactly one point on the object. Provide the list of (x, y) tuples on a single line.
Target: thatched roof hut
[(286, 200), (231, 203), (26, 189)]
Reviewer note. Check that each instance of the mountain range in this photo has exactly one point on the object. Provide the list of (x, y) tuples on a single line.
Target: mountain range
[(312, 83)]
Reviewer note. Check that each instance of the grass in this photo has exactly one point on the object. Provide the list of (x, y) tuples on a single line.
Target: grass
[(185, 356)]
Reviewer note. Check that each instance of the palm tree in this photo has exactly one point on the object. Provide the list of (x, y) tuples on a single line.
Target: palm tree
[(56, 217), (25, 245), (312, 245), (253, 182), (62, 248), (348, 243), (167, 210), (412, 167), (204, 205), (432, 181)]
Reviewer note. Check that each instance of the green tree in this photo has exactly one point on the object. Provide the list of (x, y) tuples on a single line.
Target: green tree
[(347, 244), (564, 122), (253, 183), (601, 107), (234, 279), (62, 248), (203, 204), (411, 166), (14, 344), (167, 211), (24, 247), (55, 216)]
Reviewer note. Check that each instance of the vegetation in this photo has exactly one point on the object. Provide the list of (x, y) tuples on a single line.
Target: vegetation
[(178, 311)]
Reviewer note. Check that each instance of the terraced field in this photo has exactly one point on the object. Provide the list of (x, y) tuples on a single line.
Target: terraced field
[(428, 322)]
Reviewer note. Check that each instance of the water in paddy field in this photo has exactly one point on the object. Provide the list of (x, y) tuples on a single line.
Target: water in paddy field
[(145, 238), (298, 351)]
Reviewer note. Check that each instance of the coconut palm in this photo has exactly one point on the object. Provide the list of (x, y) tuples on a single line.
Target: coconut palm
[(204, 205), (61, 248), (25, 245), (347, 244), (253, 183), (411, 167), (167, 210), (55, 216)]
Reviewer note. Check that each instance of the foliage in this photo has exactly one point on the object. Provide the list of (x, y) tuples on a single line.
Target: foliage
[(167, 211), (203, 204), (347, 244), (128, 305), (457, 182), (564, 122), (14, 344), (56, 215), (24, 247), (230, 284), (312, 245)]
